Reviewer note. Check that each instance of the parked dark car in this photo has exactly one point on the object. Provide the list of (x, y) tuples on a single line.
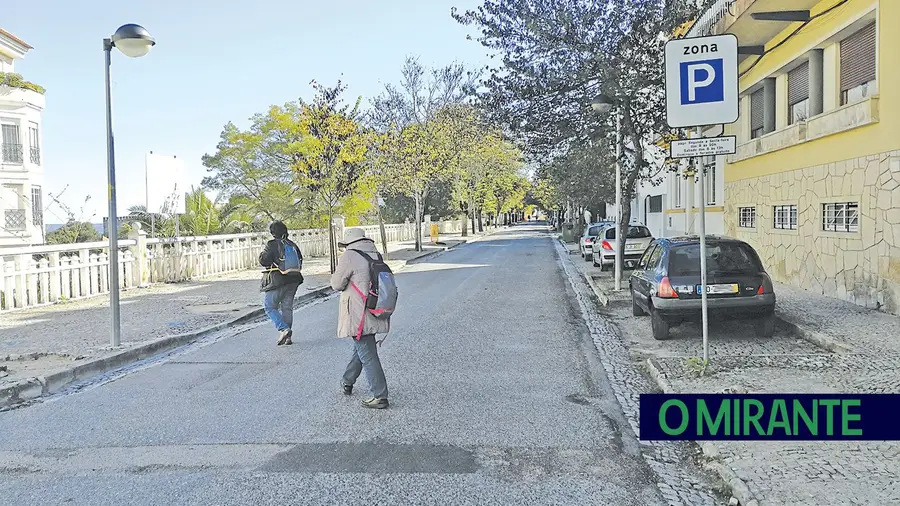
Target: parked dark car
[(666, 284)]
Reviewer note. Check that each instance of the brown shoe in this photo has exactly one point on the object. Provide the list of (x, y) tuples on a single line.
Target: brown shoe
[(374, 403)]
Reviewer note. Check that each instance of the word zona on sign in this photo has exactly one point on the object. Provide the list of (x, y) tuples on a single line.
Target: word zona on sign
[(711, 146), (776, 417)]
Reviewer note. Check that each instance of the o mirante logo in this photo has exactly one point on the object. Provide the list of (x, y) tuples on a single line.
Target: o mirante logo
[(769, 417)]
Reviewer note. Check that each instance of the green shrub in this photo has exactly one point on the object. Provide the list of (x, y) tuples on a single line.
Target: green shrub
[(14, 80)]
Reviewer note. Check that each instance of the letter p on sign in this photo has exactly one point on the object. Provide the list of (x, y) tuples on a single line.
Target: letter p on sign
[(702, 82)]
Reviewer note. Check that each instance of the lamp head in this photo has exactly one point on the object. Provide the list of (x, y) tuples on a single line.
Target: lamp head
[(602, 104), (133, 40)]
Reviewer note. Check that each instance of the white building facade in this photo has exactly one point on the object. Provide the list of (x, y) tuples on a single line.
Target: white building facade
[(21, 153), (671, 208)]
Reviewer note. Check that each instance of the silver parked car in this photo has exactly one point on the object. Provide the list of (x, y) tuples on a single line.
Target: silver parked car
[(590, 232), (604, 246)]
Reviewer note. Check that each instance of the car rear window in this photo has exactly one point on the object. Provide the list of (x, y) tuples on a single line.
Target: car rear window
[(594, 231), (724, 258), (633, 233)]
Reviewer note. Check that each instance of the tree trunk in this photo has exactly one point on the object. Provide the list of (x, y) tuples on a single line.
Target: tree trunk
[(418, 221), (332, 253), (472, 214), (383, 233), (465, 225), (480, 221)]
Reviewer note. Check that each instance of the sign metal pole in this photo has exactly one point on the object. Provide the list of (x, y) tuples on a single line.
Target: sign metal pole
[(703, 302), (702, 89)]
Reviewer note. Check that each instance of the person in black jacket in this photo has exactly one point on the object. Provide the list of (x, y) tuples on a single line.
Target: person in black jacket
[(279, 289)]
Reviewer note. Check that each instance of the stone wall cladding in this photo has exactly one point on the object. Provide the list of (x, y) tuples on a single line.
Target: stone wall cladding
[(863, 267)]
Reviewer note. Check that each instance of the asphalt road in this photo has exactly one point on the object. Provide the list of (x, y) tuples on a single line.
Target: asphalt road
[(497, 397)]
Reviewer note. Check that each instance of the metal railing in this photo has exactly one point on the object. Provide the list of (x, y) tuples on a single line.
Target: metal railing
[(12, 153), (710, 17), (35, 155), (15, 220)]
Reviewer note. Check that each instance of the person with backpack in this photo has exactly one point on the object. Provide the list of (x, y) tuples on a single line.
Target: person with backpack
[(281, 261), (368, 296)]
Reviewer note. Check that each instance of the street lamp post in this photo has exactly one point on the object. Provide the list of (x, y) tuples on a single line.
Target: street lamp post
[(132, 41), (603, 104)]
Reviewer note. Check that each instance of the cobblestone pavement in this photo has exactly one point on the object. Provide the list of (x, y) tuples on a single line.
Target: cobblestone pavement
[(53, 337), (801, 473), (680, 481), (841, 320)]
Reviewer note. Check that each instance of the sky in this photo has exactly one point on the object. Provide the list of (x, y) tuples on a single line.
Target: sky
[(214, 62)]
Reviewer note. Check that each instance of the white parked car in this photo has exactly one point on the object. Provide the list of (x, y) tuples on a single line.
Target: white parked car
[(587, 238), (603, 248)]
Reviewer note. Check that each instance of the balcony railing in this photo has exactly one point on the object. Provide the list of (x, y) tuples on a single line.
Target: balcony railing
[(35, 155), (15, 220), (12, 153)]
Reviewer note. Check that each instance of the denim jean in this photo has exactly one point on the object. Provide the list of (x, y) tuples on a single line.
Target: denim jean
[(365, 356), (279, 305)]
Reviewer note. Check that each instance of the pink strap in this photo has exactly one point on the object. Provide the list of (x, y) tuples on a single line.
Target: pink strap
[(362, 321)]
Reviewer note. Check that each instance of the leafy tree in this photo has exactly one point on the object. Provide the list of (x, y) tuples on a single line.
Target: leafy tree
[(73, 232), (416, 150), (78, 227), (558, 56), (545, 194), (201, 217), (325, 147), (247, 168)]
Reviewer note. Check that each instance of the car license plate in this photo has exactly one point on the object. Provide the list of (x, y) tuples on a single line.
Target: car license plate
[(718, 289), (629, 264), (632, 246)]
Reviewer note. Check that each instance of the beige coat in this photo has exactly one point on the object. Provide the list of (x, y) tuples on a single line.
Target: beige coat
[(352, 268)]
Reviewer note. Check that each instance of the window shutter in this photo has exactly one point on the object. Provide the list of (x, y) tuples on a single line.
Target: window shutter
[(798, 84), (858, 58), (757, 110)]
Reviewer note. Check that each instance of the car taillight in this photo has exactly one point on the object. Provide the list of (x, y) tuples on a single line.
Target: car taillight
[(606, 246), (588, 239), (766, 286), (665, 289)]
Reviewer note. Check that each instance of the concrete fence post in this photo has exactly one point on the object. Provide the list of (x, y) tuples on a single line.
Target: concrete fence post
[(22, 267), (55, 275), (141, 269)]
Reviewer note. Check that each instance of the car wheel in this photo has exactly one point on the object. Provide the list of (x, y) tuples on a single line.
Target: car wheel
[(765, 327), (635, 308), (587, 257), (601, 266), (659, 326)]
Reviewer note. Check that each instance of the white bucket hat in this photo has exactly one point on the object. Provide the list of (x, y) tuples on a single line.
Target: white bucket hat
[(352, 235)]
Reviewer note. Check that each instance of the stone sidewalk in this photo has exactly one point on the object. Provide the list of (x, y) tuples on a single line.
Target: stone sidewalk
[(36, 342), (824, 345)]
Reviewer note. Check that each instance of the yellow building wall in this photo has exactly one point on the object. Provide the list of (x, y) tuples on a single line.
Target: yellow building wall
[(880, 137), (858, 165)]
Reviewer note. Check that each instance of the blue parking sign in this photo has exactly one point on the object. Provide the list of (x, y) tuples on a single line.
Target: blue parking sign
[(702, 81)]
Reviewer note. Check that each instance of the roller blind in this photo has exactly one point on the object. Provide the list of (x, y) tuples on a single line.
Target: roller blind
[(757, 110), (798, 84), (858, 59)]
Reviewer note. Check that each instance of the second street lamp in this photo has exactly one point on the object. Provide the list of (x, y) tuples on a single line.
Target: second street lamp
[(133, 41), (602, 105)]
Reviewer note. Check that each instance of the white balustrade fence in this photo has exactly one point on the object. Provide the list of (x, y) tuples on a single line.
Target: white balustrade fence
[(48, 274), (40, 275)]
